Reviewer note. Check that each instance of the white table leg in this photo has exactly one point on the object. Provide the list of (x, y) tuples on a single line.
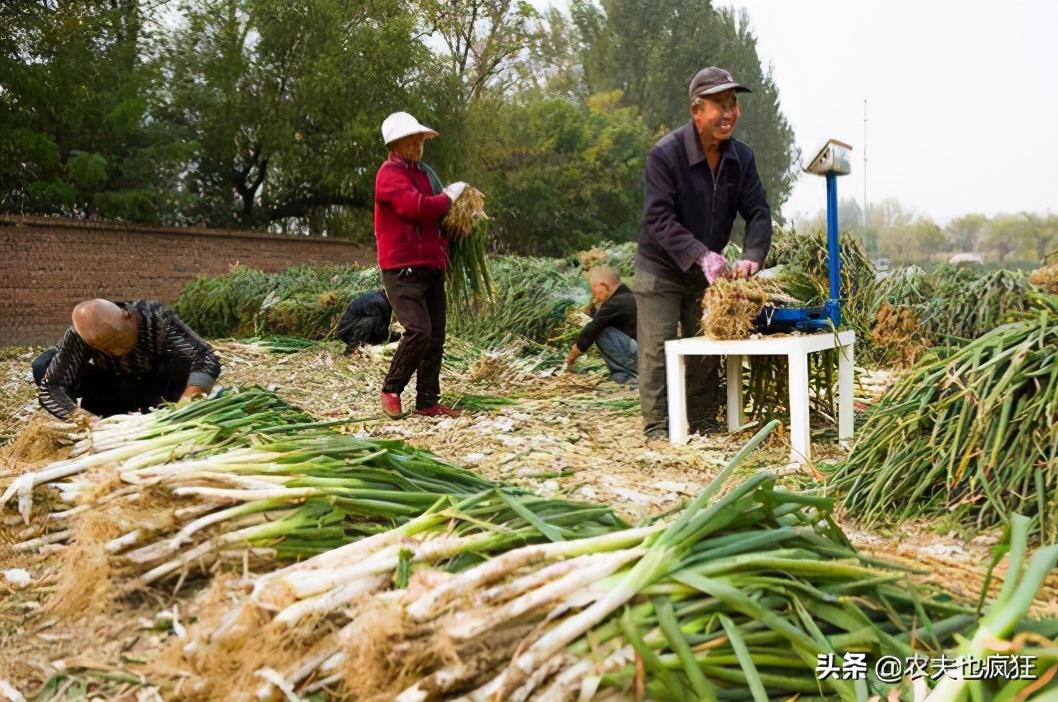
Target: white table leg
[(676, 379), (800, 447), (846, 356), (735, 416)]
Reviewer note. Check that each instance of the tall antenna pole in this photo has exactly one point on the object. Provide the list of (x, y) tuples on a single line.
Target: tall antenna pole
[(865, 166)]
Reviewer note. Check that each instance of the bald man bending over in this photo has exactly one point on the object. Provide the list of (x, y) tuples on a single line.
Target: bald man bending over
[(123, 357), (613, 325)]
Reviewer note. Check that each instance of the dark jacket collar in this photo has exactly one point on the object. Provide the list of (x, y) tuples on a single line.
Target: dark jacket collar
[(692, 147)]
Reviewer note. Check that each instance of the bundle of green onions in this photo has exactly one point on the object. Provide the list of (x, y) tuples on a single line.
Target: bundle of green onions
[(973, 432), (280, 344), (299, 301), (530, 299), (223, 479), (939, 300), (130, 442), (1007, 614), (467, 227), (733, 598), (807, 253)]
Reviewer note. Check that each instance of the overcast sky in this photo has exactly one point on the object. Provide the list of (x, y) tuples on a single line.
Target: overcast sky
[(962, 98)]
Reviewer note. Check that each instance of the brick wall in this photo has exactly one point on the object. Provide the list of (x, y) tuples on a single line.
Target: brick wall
[(47, 265)]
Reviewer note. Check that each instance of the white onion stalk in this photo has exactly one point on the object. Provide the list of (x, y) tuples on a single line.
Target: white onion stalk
[(230, 461), (661, 556), (166, 547), (587, 675), (503, 565), (1020, 586), (249, 482), (272, 676), (52, 538), (238, 495), (319, 586), (502, 592), (258, 531), (24, 484), (267, 690), (125, 541), (472, 625), (545, 671), (311, 583), (331, 600), (271, 592)]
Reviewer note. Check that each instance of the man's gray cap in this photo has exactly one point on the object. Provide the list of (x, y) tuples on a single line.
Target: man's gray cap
[(712, 80)]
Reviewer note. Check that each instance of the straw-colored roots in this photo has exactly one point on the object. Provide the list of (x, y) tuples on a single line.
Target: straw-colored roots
[(465, 211), (1046, 278), (38, 442), (387, 654), (85, 587), (592, 257), (730, 306), (897, 330)]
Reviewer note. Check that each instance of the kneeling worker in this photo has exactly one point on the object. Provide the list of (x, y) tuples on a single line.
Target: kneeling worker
[(366, 321), (123, 357), (613, 325)]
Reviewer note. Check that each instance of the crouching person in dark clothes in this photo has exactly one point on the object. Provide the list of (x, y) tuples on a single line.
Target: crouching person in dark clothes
[(366, 321), (613, 325), (123, 357)]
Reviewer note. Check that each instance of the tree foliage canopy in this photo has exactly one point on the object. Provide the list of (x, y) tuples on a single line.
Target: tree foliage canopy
[(266, 113)]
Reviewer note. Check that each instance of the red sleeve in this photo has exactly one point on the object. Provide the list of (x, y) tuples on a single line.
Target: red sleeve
[(395, 187)]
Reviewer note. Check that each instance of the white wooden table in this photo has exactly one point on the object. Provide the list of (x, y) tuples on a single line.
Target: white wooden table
[(795, 347)]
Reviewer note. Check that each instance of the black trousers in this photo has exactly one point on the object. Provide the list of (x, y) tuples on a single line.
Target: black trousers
[(106, 394), (418, 299)]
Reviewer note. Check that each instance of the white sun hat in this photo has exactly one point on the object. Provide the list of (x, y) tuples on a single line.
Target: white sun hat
[(400, 124)]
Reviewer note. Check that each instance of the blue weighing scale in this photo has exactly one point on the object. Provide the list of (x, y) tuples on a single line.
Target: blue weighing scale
[(830, 162)]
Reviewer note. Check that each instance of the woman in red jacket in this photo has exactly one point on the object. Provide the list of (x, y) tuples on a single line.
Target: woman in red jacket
[(413, 256)]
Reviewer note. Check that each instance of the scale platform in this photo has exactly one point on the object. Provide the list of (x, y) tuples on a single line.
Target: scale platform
[(782, 320)]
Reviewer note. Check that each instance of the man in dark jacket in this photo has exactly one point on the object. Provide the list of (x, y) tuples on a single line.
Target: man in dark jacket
[(413, 256), (697, 179), (123, 357), (613, 325), (366, 321)]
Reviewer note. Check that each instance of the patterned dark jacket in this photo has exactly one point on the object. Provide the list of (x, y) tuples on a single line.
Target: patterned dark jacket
[(161, 335)]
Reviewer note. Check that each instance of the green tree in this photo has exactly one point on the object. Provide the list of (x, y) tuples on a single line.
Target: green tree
[(1010, 238), (561, 176), (285, 102), (552, 65), (913, 241), (965, 232), (1043, 233), (77, 136), (484, 41), (651, 53)]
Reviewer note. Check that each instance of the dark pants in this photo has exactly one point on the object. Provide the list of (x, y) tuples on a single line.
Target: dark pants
[(619, 351), (668, 310), (418, 299), (105, 394)]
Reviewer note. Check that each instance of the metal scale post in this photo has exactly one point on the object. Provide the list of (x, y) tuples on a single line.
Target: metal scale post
[(830, 162)]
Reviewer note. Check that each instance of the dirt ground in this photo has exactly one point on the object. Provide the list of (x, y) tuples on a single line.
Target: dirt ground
[(573, 435)]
